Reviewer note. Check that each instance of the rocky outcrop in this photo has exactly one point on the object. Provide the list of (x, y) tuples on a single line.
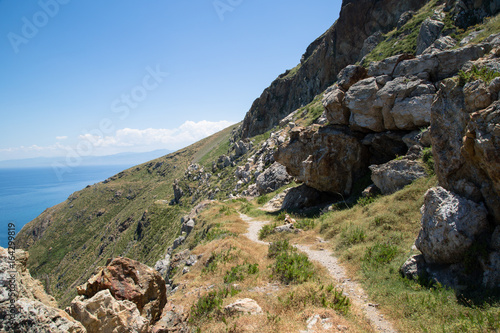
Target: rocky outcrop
[(429, 32), (246, 305), (103, 313), (273, 178), (127, 279), (24, 305), (450, 225), (302, 197), (326, 158), (340, 46), (394, 175), (469, 12)]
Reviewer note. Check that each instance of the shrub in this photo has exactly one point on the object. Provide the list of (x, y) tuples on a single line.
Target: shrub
[(267, 230), (380, 254), (210, 305), (239, 272), (428, 159), (289, 266), (262, 199), (485, 74), (326, 297)]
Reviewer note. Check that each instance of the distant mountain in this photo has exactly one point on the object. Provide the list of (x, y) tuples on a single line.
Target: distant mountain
[(116, 159)]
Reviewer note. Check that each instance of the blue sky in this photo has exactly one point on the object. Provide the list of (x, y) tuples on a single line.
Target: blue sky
[(102, 77)]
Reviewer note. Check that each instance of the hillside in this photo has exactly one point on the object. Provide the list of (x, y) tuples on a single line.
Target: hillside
[(389, 162)]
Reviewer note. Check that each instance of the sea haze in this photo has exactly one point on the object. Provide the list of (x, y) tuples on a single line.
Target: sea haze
[(26, 192)]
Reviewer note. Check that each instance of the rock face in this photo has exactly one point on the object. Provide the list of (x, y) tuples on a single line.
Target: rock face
[(326, 158), (273, 178), (394, 175), (450, 225), (103, 313), (340, 46), (130, 280), (246, 305), (429, 32), (33, 307)]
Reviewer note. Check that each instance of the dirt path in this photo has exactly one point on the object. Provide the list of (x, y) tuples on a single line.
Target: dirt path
[(351, 288)]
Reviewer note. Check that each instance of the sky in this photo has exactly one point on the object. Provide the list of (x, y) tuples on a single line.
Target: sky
[(80, 78)]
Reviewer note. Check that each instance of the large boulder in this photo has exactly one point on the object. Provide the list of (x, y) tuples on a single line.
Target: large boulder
[(33, 316), (450, 225), (326, 158), (360, 98), (31, 308), (335, 110), (394, 175), (273, 178), (429, 31), (130, 280), (103, 313)]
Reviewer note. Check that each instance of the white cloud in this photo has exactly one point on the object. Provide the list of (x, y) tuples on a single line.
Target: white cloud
[(124, 140), (187, 133)]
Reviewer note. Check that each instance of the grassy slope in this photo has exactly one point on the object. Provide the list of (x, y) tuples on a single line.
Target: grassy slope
[(124, 216)]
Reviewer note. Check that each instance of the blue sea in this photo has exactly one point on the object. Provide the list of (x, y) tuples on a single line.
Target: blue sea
[(26, 193)]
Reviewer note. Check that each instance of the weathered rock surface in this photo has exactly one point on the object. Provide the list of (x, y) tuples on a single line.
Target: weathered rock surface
[(325, 158), (350, 75), (34, 308), (273, 178), (34, 316), (303, 197), (340, 46), (364, 115), (130, 280), (246, 305), (429, 32), (450, 225), (103, 313), (414, 268), (178, 192), (336, 111), (394, 175), (491, 268), (440, 44)]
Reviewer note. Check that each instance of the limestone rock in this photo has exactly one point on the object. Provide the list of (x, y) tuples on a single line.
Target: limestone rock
[(394, 175), (162, 267), (404, 18), (326, 158), (131, 280), (336, 111), (450, 225), (103, 313), (360, 102), (188, 226), (34, 316), (351, 75), (338, 47), (241, 148), (26, 285), (223, 162), (371, 43), (178, 193), (246, 305), (387, 65), (477, 96), (273, 178), (414, 267), (285, 228), (429, 32), (440, 44)]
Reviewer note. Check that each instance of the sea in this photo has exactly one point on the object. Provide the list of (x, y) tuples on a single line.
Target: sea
[(25, 193)]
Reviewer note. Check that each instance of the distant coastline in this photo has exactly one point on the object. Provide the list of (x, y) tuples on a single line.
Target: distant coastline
[(26, 192)]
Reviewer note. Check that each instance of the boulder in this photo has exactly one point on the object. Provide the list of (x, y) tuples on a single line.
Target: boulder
[(178, 193), (326, 158), (440, 44), (476, 96), (414, 268), (188, 226), (335, 110), (412, 113), (360, 98), (273, 178), (241, 148), (162, 267), (371, 43), (26, 285), (285, 228), (387, 65), (396, 174), (350, 75), (223, 162), (450, 225), (429, 31), (103, 313), (246, 305), (130, 280), (34, 316), (404, 18)]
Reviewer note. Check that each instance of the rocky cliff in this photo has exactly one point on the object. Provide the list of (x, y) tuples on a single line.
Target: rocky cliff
[(346, 42)]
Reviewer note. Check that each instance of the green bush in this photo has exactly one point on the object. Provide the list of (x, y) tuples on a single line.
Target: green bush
[(289, 266), (485, 74), (210, 305), (326, 297), (428, 159), (239, 272), (352, 235), (267, 230), (262, 199), (380, 254)]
